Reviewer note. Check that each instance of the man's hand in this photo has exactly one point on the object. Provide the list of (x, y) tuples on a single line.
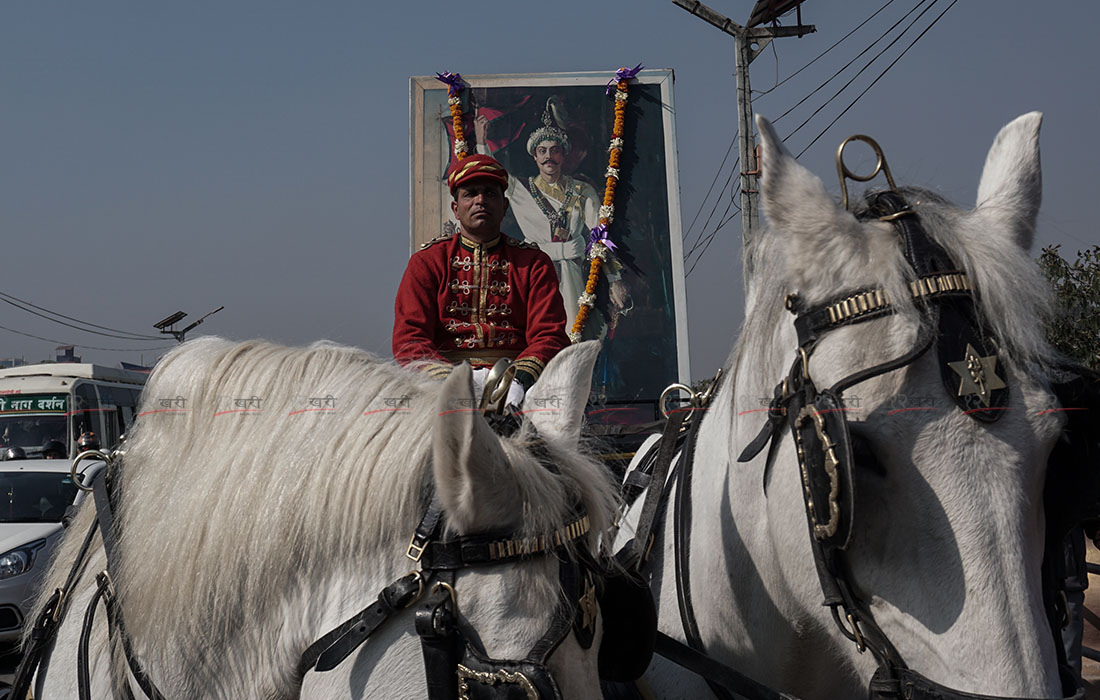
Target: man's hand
[(481, 127), (480, 374), (516, 393)]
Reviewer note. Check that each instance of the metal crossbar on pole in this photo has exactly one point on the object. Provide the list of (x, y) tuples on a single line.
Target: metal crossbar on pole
[(748, 43)]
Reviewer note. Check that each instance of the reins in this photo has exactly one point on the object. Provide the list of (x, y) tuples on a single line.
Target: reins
[(53, 613), (454, 661), (657, 477), (818, 424)]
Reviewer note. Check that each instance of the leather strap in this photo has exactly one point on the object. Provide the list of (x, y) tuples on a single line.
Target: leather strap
[(329, 651), (639, 546), (715, 672), (682, 555), (37, 654), (83, 675), (437, 626)]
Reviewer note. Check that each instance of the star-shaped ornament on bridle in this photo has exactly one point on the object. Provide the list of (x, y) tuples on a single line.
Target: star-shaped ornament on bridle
[(978, 375), (588, 607)]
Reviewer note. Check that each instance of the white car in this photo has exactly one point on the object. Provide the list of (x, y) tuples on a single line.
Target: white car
[(34, 495)]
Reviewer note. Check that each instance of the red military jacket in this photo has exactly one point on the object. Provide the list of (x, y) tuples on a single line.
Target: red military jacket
[(461, 300)]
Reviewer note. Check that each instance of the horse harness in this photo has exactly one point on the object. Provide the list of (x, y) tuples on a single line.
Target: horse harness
[(827, 455), (455, 662)]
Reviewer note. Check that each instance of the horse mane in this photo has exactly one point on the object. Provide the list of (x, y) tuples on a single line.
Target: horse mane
[(1012, 295), (226, 512)]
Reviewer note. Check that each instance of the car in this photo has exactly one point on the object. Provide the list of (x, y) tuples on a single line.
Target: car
[(34, 497)]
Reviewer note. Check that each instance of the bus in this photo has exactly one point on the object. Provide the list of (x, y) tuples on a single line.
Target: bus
[(61, 401)]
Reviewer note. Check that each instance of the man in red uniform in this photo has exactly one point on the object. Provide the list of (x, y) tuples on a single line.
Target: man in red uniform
[(479, 296)]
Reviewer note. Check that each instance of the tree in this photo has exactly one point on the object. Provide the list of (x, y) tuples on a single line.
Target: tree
[(1075, 330)]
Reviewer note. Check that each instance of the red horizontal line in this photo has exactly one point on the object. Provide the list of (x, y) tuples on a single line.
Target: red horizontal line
[(458, 410), (991, 408), (164, 410), (604, 410), (538, 410), (306, 410), (1051, 410), (380, 410), (914, 408)]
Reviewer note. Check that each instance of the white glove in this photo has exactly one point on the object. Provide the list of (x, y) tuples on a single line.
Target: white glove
[(480, 375), (515, 394)]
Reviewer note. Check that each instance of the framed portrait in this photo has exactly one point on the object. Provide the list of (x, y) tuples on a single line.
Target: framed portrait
[(640, 309)]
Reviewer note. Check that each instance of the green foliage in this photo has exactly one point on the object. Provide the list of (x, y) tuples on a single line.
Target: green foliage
[(1075, 330)]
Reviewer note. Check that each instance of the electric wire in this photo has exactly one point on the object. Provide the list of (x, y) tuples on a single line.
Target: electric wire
[(706, 224), (77, 320), (823, 53), (861, 70), (724, 220), (703, 240), (710, 189), (852, 61), (892, 63), (30, 308), (83, 347)]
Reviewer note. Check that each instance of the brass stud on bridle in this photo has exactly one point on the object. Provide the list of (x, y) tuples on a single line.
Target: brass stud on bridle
[(845, 173)]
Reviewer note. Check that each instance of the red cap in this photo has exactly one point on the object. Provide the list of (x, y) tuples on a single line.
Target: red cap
[(477, 167)]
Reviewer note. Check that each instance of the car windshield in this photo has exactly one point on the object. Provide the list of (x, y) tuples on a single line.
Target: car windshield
[(35, 497)]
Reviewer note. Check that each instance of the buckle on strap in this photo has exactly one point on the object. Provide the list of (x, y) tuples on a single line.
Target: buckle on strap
[(416, 548)]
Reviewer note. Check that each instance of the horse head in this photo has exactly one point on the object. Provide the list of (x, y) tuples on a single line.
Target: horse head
[(530, 483), (264, 542), (909, 429)]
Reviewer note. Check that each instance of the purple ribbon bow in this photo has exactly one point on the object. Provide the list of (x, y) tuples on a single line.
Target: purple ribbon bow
[(454, 80), (598, 235), (623, 74)]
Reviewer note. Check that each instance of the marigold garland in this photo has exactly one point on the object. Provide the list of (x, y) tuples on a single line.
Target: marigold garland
[(599, 244), (455, 86)]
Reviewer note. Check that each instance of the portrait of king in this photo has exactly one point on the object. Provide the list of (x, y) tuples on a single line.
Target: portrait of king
[(556, 209)]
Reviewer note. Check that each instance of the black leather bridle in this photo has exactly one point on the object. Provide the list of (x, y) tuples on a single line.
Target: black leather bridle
[(819, 426), (455, 663)]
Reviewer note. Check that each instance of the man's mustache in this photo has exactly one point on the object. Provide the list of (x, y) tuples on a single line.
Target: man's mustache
[(555, 161)]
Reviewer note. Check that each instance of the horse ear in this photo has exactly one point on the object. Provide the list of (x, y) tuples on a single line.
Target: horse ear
[(1011, 187), (556, 402), (472, 475), (794, 199)]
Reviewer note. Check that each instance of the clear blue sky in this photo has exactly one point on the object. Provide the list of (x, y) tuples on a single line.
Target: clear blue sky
[(164, 156)]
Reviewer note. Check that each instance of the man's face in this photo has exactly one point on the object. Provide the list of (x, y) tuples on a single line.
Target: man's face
[(549, 156), (479, 206)]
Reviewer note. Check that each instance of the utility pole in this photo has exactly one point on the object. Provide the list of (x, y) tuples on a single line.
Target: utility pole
[(748, 42)]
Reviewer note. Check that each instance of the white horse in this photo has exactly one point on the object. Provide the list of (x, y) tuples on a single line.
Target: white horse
[(947, 534), (280, 499)]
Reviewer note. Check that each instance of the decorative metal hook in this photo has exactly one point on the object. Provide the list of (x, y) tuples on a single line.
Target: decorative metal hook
[(87, 454), (671, 388), (844, 173), (495, 394)]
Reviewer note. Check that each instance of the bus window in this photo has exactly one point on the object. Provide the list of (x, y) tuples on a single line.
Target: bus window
[(86, 414)]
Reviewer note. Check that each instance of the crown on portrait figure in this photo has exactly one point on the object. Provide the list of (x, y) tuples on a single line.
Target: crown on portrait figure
[(549, 131)]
